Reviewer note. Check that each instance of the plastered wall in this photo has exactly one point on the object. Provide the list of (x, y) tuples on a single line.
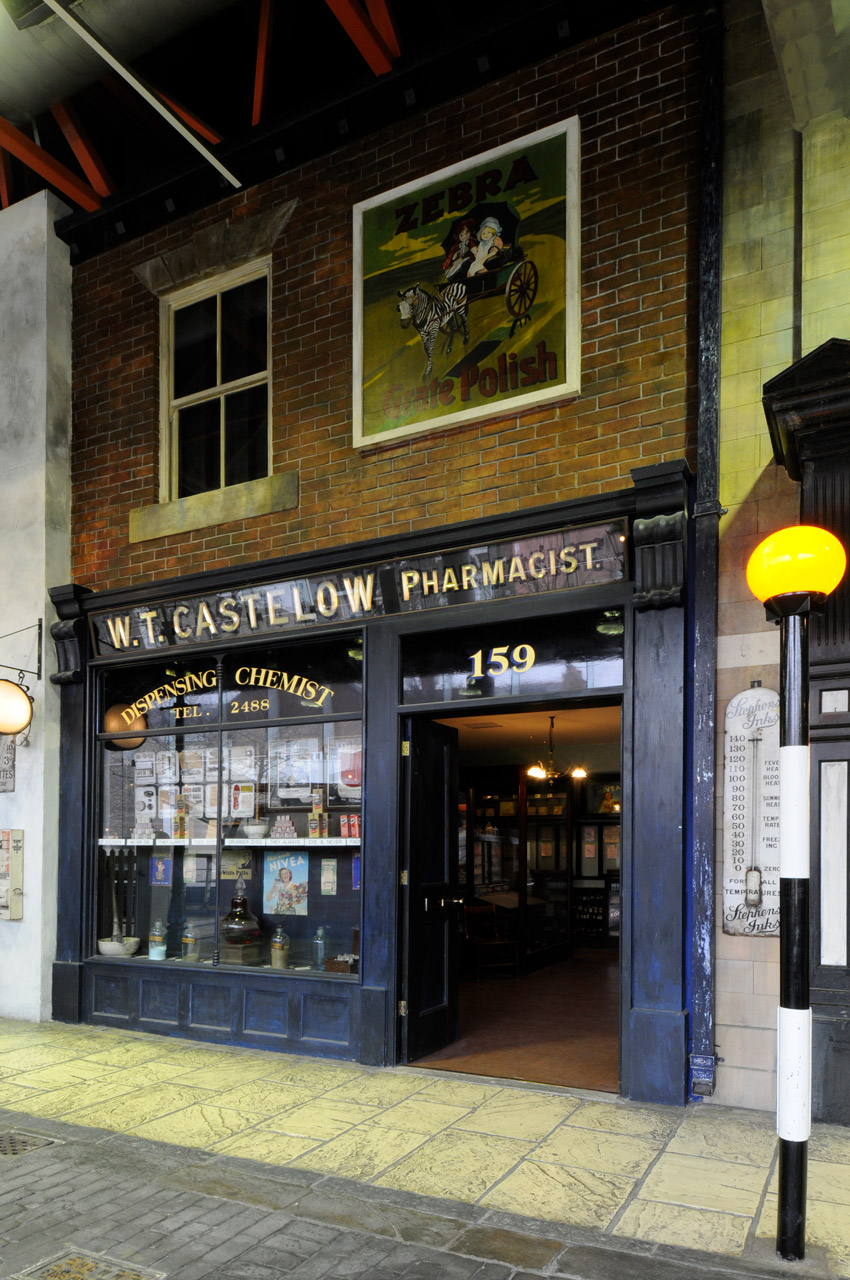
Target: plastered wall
[(786, 290), (35, 373)]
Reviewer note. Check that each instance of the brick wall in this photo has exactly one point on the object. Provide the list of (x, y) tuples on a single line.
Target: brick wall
[(636, 93)]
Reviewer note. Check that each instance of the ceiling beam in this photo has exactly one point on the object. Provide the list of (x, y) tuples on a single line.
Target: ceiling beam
[(361, 30), (83, 148), (5, 179), (384, 23), (42, 163), (261, 72), (193, 121), (75, 22)]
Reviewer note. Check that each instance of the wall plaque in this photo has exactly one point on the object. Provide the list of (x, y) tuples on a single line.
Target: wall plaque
[(7, 763), (751, 814)]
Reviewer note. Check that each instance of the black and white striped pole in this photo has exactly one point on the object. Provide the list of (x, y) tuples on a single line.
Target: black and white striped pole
[(792, 572)]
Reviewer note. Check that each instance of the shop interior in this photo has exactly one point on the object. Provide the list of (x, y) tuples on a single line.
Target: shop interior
[(539, 897)]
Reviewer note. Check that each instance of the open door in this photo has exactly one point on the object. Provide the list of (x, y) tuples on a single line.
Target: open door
[(429, 905)]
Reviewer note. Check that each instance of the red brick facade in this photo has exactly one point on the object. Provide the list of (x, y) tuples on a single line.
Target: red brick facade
[(636, 95)]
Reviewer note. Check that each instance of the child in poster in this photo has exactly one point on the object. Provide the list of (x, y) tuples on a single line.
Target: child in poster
[(285, 884)]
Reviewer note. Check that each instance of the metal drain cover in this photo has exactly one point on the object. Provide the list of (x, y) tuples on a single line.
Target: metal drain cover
[(18, 1144), (77, 1264)]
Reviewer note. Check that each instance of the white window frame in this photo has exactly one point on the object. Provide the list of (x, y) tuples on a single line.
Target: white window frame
[(214, 286)]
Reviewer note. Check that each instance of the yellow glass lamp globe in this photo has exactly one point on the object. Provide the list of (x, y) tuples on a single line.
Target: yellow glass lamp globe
[(15, 707), (114, 721), (802, 558)]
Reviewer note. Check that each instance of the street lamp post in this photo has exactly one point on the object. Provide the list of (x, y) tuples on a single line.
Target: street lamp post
[(792, 572)]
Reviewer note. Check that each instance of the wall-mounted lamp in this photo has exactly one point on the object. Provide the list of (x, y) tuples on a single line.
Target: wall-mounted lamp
[(15, 701)]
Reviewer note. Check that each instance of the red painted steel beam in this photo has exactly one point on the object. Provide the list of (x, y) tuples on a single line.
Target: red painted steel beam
[(83, 148), (360, 29), (188, 117), (42, 163), (261, 73), (5, 179), (382, 19)]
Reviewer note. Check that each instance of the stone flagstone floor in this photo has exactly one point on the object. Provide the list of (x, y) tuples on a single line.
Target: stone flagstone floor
[(703, 1177)]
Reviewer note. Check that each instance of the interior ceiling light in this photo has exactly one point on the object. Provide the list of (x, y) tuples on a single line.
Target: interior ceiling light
[(611, 623), (549, 773)]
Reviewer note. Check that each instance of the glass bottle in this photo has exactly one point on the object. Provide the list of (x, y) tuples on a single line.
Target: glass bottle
[(240, 926), (156, 942), (319, 947), (190, 944), (280, 949)]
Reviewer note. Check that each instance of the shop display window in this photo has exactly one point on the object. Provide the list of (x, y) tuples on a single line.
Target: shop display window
[(230, 810)]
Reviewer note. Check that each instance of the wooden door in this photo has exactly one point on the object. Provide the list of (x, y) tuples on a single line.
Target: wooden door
[(430, 897)]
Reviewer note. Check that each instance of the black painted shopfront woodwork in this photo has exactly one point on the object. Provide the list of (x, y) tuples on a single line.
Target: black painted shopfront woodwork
[(269, 734)]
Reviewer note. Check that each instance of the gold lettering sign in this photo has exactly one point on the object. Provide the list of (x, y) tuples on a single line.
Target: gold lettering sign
[(552, 561), (301, 687)]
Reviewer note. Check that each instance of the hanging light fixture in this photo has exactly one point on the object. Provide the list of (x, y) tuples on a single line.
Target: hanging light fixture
[(16, 704), (15, 707), (548, 773)]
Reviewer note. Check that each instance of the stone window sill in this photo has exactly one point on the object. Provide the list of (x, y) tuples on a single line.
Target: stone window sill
[(220, 506)]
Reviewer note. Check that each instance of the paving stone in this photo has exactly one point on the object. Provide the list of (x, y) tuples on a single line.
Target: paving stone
[(450, 1268), (358, 1212), (283, 1259), (247, 1271), (226, 1185), (507, 1246)]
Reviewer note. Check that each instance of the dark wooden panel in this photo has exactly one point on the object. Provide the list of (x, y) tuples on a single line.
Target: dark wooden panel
[(376, 1039), (831, 1067), (657, 835), (159, 1001), (266, 1013), (114, 996), (658, 1042), (325, 1018), (67, 992), (211, 1006)]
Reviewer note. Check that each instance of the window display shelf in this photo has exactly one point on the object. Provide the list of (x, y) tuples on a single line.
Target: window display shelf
[(261, 842), (298, 842)]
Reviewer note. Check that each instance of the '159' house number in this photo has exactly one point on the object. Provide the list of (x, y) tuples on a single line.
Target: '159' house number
[(502, 659)]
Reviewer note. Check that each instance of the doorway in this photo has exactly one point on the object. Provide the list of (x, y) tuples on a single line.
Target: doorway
[(533, 904)]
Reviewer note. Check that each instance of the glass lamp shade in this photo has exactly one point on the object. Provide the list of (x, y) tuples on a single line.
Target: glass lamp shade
[(801, 559), (536, 771), (15, 707), (114, 721)]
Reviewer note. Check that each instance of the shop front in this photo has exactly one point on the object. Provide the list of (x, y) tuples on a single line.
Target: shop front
[(261, 842)]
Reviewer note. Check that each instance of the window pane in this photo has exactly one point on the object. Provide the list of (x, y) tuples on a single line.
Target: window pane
[(157, 850), (194, 348), (324, 677), (199, 827), (246, 435), (198, 461), (243, 330)]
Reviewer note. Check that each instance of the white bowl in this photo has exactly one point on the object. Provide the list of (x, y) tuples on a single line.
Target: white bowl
[(255, 829), (126, 947)]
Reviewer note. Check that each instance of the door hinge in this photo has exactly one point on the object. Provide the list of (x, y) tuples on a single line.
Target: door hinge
[(402, 1008), (404, 879), (405, 748)]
